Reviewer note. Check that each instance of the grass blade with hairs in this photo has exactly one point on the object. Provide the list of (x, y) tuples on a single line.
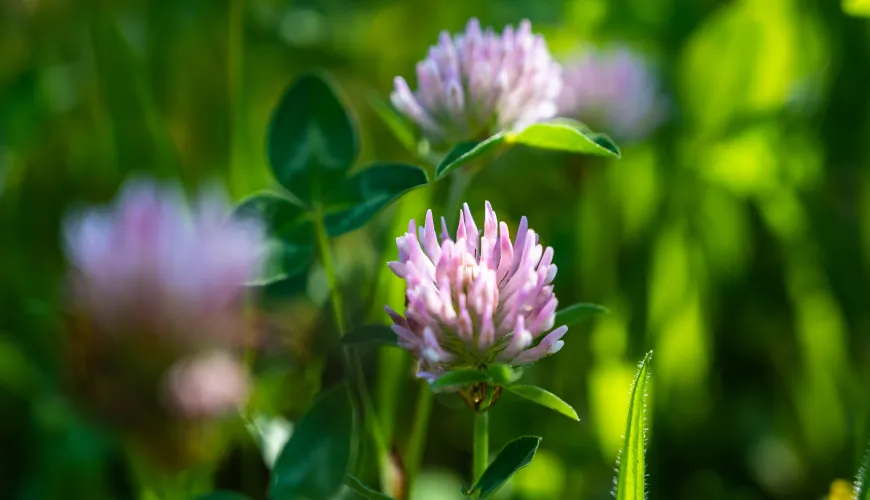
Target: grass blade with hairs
[(631, 478)]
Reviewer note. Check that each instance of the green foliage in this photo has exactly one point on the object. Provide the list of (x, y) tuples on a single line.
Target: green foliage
[(578, 313), (544, 398), (565, 135), (365, 193), (290, 234), (380, 334), (559, 135), (459, 378), (314, 462), (631, 478), (364, 491), (503, 374), (312, 140), (513, 457), (464, 152)]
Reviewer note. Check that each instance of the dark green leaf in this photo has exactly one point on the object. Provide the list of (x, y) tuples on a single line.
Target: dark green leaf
[(459, 377), (565, 135), (862, 480), (367, 192), (397, 123), (364, 491), (313, 463), (544, 398), (312, 141), (578, 313), (381, 334), (503, 374), (513, 457), (290, 235), (631, 478), (222, 495), (464, 152)]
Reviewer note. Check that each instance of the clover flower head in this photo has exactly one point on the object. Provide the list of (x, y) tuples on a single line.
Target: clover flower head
[(614, 91), (477, 299), (480, 81), (150, 264), (206, 386)]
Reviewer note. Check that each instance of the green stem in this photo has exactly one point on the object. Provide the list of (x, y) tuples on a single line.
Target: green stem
[(481, 444), (353, 367), (419, 431)]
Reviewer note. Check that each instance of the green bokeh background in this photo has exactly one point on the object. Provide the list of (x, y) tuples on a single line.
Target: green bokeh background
[(735, 242)]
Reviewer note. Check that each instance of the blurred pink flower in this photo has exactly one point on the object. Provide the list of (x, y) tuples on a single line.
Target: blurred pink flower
[(149, 264), (480, 81), (206, 386), (475, 300), (613, 91)]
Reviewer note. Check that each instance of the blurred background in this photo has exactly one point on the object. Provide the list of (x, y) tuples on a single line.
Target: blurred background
[(733, 238)]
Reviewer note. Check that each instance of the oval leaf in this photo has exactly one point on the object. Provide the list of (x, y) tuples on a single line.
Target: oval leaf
[(631, 478), (503, 374), (459, 378), (513, 457), (364, 491), (862, 480), (462, 153), (565, 135), (312, 141), (313, 463), (364, 194), (291, 246), (544, 398), (381, 334), (578, 313), (222, 495)]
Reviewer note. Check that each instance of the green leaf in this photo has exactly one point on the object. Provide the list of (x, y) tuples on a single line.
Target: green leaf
[(223, 495), (459, 377), (381, 334), (563, 134), (544, 398), (398, 125), (631, 479), (513, 457), (291, 245), (862, 480), (364, 491), (503, 374), (578, 313), (312, 141), (314, 462), (462, 153), (365, 193)]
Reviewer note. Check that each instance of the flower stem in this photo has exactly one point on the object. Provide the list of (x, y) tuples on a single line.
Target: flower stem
[(419, 431), (481, 444), (352, 365)]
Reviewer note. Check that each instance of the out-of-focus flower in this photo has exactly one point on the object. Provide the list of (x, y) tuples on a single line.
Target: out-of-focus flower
[(155, 295), (149, 265), (613, 91), (206, 386), (481, 82), (476, 299)]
